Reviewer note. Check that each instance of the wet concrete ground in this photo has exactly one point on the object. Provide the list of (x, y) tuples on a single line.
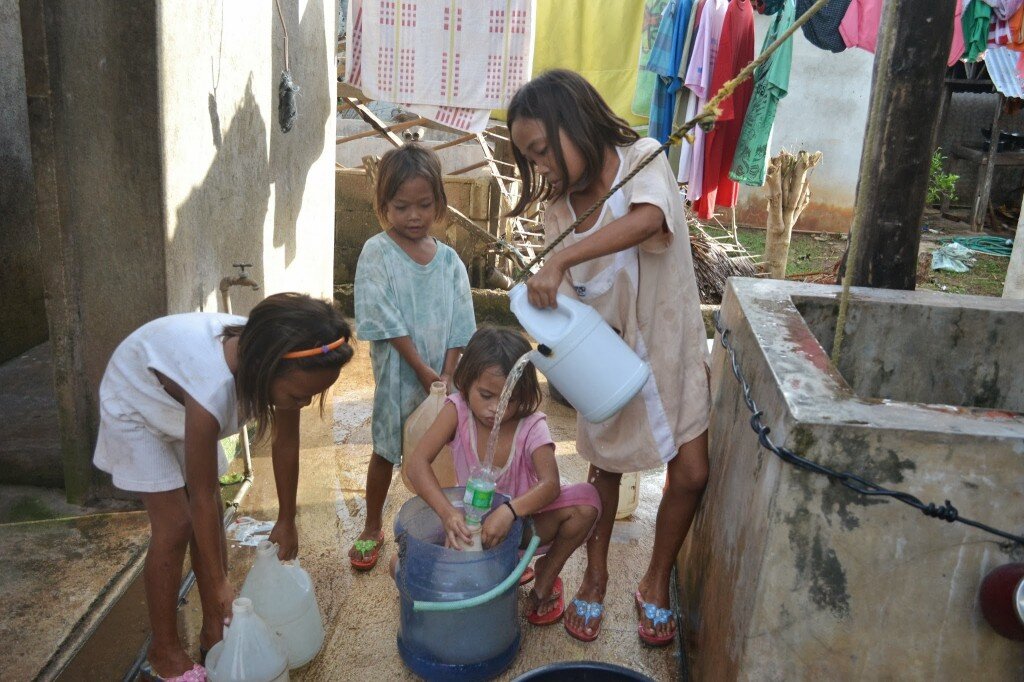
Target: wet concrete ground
[(361, 610)]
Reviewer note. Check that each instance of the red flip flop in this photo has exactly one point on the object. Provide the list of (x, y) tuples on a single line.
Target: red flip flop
[(657, 616), (369, 553), (527, 577), (555, 614)]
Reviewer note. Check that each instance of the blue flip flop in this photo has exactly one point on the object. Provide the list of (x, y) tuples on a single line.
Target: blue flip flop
[(586, 610)]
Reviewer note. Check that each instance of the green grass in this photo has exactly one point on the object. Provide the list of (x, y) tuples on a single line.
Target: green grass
[(808, 253), (814, 253), (985, 278)]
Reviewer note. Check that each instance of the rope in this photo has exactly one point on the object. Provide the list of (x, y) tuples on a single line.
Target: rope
[(705, 119)]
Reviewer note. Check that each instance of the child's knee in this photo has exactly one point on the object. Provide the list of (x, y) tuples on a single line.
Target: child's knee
[(690, 477), (174, 529), (581, 519)]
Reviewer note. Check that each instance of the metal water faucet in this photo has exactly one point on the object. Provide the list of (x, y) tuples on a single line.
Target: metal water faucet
[(239, 280)]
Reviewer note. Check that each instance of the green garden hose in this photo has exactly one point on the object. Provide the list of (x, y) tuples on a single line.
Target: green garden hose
[(490, 594), (992, 246)]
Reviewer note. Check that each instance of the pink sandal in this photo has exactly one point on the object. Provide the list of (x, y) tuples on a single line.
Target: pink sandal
[(196, 674)]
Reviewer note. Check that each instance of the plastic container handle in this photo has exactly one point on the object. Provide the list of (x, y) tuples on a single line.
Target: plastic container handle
[(490, 594)]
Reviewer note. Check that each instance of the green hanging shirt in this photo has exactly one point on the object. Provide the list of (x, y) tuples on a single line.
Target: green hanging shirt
[(976, 19), (750, 165)]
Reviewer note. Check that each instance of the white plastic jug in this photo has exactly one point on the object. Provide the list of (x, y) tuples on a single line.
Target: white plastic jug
[(415, 426), (249, 652), (589, 364), (629, 495), (282, 595)]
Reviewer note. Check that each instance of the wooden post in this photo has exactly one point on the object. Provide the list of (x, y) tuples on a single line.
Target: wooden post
[(910, 67), (987, 172)]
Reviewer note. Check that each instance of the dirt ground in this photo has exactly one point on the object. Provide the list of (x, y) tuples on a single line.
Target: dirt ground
[(361, 611)]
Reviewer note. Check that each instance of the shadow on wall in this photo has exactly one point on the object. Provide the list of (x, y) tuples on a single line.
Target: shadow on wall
[(222, 219), (292, 155)]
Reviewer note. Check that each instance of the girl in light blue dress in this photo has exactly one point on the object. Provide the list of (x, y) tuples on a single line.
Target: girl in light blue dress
[(414, 307)]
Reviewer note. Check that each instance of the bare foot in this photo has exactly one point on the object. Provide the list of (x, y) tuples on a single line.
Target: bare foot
[(169, 662), (592, 589), (544, 595), (655, 591)]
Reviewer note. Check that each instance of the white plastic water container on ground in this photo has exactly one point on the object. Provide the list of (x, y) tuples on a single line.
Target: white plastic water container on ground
[(589, 364), (629, 495), (249, 652), (282, 595)]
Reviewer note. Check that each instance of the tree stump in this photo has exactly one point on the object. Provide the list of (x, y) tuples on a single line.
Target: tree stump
[(789, 192)]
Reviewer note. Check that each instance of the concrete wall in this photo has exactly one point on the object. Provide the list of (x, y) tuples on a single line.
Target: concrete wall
[(355, 220), (22, 311), (786, 575), (93, 110), (159, 163), (237, 188), (826, 110)]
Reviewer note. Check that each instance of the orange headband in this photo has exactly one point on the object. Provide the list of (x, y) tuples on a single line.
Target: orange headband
[(320, 350)]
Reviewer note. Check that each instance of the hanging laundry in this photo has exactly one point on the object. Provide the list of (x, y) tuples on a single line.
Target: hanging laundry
[(822, 30), (1004, 9), (599, 39), (653, 9), (698, 80), (976, 19), (750, 164), (998, 32), (956, 48), (768, 7), (664, 62), (735, 50), (393, 55), (1017, 30), (860, 27)]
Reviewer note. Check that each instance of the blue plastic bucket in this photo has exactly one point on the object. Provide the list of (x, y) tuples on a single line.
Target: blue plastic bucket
[(477, 643), (582, 671)]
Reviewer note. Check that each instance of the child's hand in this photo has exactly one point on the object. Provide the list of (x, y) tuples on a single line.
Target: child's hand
[(542, 288), (456, 531), (496, 527), (427, 377), (286, 537)]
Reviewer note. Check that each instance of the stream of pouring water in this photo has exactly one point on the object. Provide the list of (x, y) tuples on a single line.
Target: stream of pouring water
[(503, 400)]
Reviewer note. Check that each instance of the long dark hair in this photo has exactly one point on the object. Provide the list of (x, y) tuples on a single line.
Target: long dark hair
[(404, 163), (564, 101), (279, 324), (500, 347)]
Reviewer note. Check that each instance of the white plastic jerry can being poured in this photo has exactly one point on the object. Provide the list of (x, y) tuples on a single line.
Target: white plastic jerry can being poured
[(282, 595), (249, 652), (589, 364)]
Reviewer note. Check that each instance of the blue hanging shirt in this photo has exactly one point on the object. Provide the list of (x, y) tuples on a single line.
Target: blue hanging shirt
[(664, 61)]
